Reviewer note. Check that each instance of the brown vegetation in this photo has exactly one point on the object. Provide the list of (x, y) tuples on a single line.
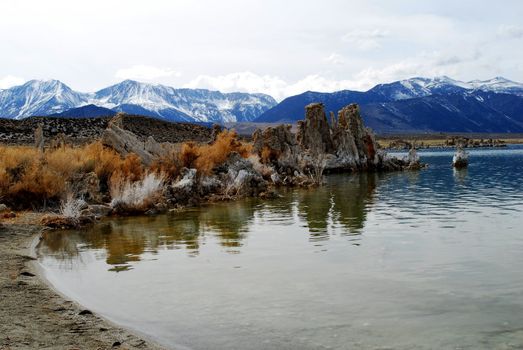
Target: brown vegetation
[(205, 158), (29, 178), (33, 179)]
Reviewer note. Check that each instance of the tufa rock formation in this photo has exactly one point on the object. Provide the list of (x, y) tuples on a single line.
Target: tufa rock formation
[(344, 144), (314, 133), (277, 145), (125, 142)]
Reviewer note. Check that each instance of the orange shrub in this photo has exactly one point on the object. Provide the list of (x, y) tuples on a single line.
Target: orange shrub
[(206, 157), (103, 161), (189, 154), (129, 169), (169, 165), (29, 178)]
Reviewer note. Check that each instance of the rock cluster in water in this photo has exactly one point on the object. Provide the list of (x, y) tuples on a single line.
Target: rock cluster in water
[(344, 144), (460, 159), (277, 158)]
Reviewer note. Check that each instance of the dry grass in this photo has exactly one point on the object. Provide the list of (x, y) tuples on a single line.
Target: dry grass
[(206, 157), (137, 196), (29, 178), (169, 165)]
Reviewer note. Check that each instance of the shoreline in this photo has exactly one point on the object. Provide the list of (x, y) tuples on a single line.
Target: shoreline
[(35, 315)]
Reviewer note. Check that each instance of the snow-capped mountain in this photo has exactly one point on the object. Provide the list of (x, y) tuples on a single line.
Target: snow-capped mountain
[(183, 104), (419, 87), (421, 104), (432, 104), (53, 97), (38, 97), (497, 84)]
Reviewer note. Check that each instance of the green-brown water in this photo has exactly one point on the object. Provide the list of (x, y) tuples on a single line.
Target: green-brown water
[(414, 260)]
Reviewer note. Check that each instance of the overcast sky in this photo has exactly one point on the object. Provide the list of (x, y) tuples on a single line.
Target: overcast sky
[(272, 46)]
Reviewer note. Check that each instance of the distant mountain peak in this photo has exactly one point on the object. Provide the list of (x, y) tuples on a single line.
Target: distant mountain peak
[(438, 104), (45, 97)]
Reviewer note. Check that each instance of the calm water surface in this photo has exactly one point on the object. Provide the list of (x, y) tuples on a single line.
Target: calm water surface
[(414, 260)]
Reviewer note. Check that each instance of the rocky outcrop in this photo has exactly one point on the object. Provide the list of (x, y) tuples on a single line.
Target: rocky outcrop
[(314, 133), (277, 146), (125, 142), (347, 152), (460, 159), (241, 178), (185, 191), (344, 144), (412, 159)]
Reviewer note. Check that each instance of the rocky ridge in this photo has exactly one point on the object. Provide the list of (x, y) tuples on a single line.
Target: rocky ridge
[(84, 130)]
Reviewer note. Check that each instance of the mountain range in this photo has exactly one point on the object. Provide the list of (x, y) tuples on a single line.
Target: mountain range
[(52, 97), (438, 104)]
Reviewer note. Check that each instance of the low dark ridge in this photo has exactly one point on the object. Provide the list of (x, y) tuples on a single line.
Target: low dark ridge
[(84, 130)]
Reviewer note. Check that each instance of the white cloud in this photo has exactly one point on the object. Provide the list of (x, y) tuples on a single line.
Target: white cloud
[(241, 81), (143, 72), (335, 58), (380, 36), (510, 31), (425, 64), (365, 39), (9, 81), (271, 85)]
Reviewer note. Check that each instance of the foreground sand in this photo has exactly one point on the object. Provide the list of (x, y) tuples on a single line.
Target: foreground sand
[(33, 316)]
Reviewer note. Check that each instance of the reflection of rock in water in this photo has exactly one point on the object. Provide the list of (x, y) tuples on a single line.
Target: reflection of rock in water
[(126, 240), (314, 207), (460, 174), (351, 202), (230, 221), (342, 204), (338, 205)]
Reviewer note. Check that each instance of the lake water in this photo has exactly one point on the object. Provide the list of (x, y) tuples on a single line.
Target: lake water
[(414, 260)]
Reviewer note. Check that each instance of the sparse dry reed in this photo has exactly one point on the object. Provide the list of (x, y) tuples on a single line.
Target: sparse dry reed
[(137, 196)]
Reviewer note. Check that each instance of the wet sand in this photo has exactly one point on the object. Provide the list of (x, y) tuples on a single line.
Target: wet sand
[(33, 316)]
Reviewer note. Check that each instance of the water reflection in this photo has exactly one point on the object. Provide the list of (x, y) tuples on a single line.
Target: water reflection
[(340, 207), (125, 240), (460, 175), (344, 204)]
